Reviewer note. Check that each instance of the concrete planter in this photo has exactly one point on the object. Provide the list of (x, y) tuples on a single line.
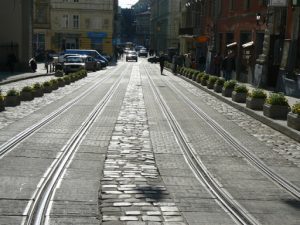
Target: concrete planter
[(38, 92), (210, 85), (203, 82), (218, 88), (26, 96), (61, 83), (12, 101), (227, 92), (239, 97), (47, 89), (54, 86), (276, 111), (293, 121), (255, 103)]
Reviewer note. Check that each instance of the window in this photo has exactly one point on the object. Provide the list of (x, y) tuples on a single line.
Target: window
[(65, 21), (246, 4), (231, 5), (75, 21)]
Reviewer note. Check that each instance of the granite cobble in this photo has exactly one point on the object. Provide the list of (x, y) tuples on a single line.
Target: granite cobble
[(131, 189), (278, 142)]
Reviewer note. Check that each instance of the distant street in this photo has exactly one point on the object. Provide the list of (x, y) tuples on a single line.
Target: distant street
[(129, 146)]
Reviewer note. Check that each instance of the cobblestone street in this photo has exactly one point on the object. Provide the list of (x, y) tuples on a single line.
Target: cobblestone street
[(146, 158)]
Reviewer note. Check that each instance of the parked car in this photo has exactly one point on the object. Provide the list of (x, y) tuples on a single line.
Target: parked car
[(91, 64), (73, 64), (95, 54), (131, 55), (143, 52)]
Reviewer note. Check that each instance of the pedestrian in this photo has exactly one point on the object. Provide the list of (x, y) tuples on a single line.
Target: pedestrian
[(175, 63), (228, 65), (217, 64), (161, 63), (32, 64), (187, 60)]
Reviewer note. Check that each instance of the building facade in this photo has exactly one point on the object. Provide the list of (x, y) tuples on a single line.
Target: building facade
[(69, 24), (16, 35), (164, 22)]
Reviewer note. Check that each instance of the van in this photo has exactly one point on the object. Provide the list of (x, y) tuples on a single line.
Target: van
[(95, 54)]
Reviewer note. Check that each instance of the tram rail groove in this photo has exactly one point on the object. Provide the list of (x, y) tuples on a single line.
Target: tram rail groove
[(11, 143), (39, 206), (249, 156), (235, 210)]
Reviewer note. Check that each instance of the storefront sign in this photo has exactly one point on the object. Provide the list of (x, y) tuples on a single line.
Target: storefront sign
[(278, 3)]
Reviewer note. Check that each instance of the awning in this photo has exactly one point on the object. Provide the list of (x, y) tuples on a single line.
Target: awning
[(248, 44), (231, 45), (201, 39)]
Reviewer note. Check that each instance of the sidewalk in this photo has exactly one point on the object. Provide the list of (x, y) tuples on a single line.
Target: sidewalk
[(279, 125), (6, 77)]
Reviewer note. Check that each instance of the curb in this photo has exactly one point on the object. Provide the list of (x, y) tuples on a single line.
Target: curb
[(294, 134), (25, 78)]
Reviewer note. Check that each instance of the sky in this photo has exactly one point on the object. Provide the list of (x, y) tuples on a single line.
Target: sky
[(127, 3)]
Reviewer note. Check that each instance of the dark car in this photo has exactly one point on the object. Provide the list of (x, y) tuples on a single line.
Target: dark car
[(153, 59), (131, 55), (91, 63), (143, 52)]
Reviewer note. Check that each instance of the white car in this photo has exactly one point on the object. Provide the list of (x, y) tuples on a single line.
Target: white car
[(73, 64)]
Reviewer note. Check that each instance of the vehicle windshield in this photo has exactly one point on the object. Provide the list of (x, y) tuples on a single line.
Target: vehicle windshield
[(132, 52), (74, 60)]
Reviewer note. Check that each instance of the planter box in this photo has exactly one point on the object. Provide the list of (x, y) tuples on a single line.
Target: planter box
[(61, 83), (218, 88), (38, 92), (204, 82), (26, 96), (276, 111), (2, 106), (12, 101), (47, 89), (227, 92), (239, 97), (293, 120), (67, 82), (54, 86), (255, 103), (210, 85)]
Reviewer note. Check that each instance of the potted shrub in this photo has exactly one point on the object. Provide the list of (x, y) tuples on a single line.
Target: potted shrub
[(37, 90), (26, 93), (67, 79), (228, 88), (12, 98), (195, 75), (256, 99), (199, 77), (54, 84), (2, 103), (204, 79), (60, 82), (276, 106), (211, 82), (293, 117), (47, 87), (219, 84), (239, 93)]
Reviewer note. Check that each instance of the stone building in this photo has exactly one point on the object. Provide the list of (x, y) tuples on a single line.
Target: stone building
[(16, 34), (164, 25), (64, 24)]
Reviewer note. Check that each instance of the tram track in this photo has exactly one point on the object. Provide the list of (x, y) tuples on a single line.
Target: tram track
[(235, 210), (239, 147), (39, 205), (17, 139)]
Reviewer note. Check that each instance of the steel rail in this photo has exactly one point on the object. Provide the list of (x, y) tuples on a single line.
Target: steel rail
[(236, 211), (252, 158), (39, 206), (11, 143)]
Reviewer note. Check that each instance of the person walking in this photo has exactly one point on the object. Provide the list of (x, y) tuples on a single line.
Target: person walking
[(32, 64), (161, 63), (228, 65), (217, 64)]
